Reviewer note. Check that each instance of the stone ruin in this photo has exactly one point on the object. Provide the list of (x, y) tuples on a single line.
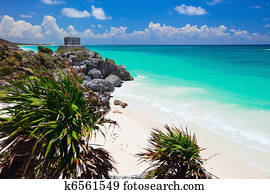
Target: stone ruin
[(72, 41)]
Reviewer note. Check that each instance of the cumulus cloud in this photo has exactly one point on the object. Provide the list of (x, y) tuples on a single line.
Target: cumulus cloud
[(52, 2), (186, 31), (72, 31), (99, 13), (74, 13), (190, 10), (267, 25), (243, 34), (49, 31), (9, 28), (214, 2)]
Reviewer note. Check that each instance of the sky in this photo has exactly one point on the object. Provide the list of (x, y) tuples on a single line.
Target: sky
[(136, 22)]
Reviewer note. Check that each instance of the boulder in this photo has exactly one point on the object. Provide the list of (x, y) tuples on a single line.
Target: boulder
[(106, 68), (124, 74), (99, 85), (94, 73), (90, 64), (114, 80), (120, 103), (87, 78), (74, 60), (78, 69)]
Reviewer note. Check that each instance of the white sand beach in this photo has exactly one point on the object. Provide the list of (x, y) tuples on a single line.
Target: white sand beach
[(135, 123)]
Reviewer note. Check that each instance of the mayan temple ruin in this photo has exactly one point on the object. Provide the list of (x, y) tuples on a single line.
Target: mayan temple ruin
[(72, 42)]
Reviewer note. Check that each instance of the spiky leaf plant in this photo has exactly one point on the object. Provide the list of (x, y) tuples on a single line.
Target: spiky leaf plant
[(48, 125), (174, 155)]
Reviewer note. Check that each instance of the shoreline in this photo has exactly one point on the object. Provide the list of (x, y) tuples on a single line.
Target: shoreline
[(227, 159)]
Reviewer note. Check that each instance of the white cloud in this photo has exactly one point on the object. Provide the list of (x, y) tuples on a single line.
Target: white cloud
[(52, 2), (255, 7), (99, 13), (187, 31), (9, 28), (190, 10), (51, 29), (214, 2), (239, 33), (267, 25), (72, 31), (74, 13), (154, 33), (25, 16), (243, 34), (99, 26)]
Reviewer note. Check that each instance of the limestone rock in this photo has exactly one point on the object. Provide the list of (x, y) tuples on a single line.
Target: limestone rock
[(114, 80), (120, 103), (99, 85), (78, 69), (94, 73), (106, 68)]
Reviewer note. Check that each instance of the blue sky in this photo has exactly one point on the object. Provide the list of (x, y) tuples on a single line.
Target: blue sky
[(137, 22)]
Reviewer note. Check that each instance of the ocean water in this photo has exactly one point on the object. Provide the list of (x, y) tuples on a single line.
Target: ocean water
[(223, 89)]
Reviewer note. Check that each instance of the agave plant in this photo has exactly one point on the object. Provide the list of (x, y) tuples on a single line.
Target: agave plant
[(47, 128), (174, 155)]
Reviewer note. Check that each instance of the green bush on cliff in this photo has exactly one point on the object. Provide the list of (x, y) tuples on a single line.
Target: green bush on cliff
[(5, 70), (52, 119), (45, 50), (174, 155), (18, 56)]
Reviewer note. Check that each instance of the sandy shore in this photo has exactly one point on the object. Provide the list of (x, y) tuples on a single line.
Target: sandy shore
[(135, 124)]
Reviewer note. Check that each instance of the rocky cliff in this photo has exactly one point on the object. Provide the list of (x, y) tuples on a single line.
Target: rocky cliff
[(100, 75)]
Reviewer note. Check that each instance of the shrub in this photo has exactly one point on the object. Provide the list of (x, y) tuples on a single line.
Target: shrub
[(45, 50), (51, 120), (5, 70), (18, 56), (174, 155)]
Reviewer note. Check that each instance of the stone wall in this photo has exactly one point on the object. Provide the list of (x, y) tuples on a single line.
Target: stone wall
[(72, 41)]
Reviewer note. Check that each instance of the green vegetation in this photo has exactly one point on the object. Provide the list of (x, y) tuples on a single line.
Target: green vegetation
[(13, 63), (44, 60), (8, 63), (174, 155), (42, 49), (48, 125), (64, 49), (81, 53)]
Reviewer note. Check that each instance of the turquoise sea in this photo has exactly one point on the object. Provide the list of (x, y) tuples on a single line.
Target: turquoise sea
[(225, 89)]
